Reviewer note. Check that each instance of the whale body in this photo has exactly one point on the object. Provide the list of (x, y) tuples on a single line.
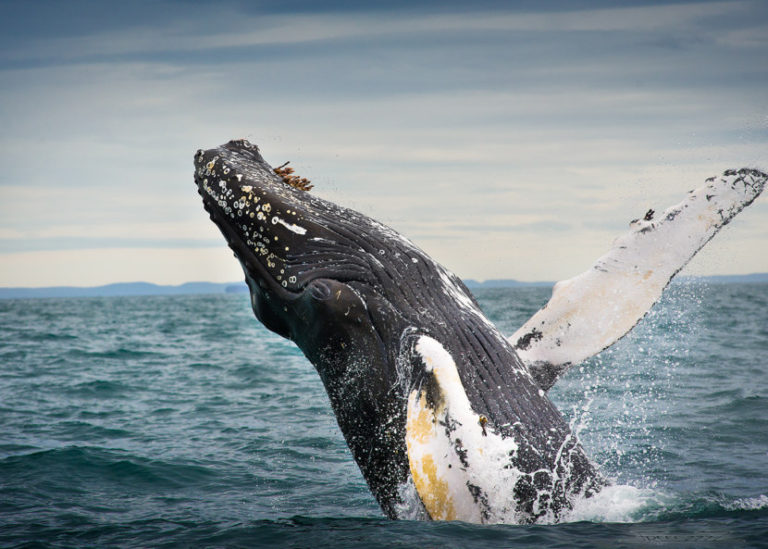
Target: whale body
[(442, 415)]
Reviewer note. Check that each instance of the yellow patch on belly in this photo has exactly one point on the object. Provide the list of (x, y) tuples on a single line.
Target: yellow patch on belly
[(421, 431)]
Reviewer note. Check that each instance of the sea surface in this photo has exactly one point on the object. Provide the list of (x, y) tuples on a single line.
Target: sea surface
[(179, 421)]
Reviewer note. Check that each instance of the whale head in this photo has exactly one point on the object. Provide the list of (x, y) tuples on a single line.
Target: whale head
[(305, 259)]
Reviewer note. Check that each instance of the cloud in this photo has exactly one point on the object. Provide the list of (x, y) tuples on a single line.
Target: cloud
[(224, 27), (94, 267), (551, 126)]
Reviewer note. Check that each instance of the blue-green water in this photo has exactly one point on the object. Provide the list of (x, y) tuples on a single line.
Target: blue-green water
[(180, 421)]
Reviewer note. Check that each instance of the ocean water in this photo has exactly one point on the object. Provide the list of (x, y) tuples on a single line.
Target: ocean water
[(181, 421)]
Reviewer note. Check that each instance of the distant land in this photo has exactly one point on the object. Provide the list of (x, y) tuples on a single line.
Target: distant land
[(123, 289), (147, 288)]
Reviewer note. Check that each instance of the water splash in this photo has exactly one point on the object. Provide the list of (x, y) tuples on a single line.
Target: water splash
[(617, 503), (748, 504)]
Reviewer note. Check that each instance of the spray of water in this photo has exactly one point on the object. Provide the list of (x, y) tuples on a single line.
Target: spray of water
[(618, 404)]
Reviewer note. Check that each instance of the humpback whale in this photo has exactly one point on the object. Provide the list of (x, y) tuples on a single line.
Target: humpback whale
[(446, 418)]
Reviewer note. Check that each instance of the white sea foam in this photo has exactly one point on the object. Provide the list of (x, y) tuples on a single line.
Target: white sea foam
[(748, 504), (617, 503)]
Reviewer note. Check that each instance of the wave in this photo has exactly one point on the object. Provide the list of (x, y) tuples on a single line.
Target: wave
[(91, 467), (375, 532), (628, 504)]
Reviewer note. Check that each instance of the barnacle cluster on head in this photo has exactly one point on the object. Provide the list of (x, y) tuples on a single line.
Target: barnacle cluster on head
[(288, 177), (248, 211)]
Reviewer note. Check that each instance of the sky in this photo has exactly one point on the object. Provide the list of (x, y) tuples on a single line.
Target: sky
[(506, 139)]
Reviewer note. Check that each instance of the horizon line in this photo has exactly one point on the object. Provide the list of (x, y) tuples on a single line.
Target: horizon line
[(238, 282), (242, 282)]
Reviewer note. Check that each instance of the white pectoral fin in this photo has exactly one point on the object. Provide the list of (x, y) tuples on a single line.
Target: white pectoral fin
[(593, 310), (460, 468)]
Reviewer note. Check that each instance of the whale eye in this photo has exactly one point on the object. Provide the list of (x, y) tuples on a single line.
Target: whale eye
[(320, 290)]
